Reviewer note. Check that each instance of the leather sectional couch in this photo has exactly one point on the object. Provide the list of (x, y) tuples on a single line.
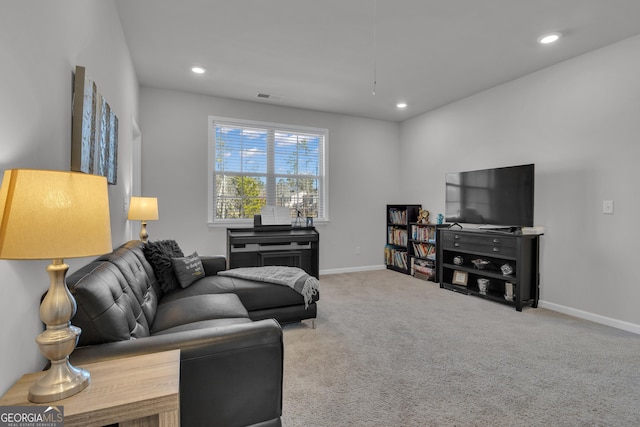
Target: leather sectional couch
[(228, 331)]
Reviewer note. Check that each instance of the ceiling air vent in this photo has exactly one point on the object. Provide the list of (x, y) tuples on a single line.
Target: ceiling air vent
[(268, 96)]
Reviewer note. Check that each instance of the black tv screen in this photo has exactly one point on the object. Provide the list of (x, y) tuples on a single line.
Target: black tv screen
[(499, 196)]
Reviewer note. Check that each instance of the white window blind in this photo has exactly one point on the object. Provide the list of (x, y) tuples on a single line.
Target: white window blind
[(257, 164)]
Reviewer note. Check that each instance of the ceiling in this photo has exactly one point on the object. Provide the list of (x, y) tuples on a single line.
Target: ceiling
[(323, 54)]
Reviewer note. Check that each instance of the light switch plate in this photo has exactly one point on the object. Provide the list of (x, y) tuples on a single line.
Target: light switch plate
[(607, 206)]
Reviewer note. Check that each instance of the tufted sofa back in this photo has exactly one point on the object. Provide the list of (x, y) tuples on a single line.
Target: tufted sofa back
[(116, 294)]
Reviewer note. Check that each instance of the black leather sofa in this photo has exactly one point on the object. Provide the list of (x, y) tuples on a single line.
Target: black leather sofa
[(227, 329)]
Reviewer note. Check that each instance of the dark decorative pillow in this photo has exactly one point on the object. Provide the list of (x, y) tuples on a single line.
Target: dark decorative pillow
[(188, 269), (159, 255)]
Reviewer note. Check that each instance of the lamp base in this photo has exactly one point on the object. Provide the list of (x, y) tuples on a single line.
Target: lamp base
[(144, 236), (58, 341), (61, 381)]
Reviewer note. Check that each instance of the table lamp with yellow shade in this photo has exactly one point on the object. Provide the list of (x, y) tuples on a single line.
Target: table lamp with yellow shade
[(55, 215), (143, 209)]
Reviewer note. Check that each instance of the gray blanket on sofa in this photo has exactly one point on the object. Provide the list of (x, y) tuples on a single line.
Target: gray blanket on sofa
[(294, 277)]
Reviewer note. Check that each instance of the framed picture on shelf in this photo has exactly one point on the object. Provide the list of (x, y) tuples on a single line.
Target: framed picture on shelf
[(460, 278)]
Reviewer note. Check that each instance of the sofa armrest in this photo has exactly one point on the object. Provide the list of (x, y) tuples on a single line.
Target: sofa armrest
[(229, 375), (213, 264)]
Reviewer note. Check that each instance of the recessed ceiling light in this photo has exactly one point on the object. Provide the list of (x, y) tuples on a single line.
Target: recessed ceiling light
[(198, 69), (401, 105), (549, 38)]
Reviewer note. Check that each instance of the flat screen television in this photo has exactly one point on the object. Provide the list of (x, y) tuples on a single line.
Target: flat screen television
[(500, 197)]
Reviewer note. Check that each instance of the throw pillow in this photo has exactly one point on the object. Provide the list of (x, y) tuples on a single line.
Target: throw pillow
[(188, 269), (159, 255)]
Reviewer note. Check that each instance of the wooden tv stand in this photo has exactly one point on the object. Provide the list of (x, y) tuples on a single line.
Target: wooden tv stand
[(457, 272)]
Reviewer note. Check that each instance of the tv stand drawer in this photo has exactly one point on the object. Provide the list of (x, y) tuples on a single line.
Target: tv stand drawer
[(480, 242)]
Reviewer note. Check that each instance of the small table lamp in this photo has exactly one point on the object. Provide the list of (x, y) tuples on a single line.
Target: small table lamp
[(143, 209), (55, 215)]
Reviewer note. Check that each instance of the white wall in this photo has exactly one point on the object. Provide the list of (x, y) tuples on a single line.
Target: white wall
[(363, 165), (40, 45), (579, 123)]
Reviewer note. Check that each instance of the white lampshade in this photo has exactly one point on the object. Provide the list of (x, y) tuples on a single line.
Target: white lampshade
[(143, 209), (53, 214)]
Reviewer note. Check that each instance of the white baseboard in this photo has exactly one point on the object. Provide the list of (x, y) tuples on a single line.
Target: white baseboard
[(603, 320), (353, 269)]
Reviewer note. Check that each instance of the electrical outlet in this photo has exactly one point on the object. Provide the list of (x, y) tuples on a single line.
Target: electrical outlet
[(607, 206), (357, 250)]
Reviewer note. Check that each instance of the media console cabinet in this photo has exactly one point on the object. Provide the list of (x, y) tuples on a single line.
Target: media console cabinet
[(274, 245), (502, 267)]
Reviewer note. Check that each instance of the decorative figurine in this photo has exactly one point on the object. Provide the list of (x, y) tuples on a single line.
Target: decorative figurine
[(480, 263), (506, 269), (423, 216), (508, 291), (298, 220), (483, 285), (440, 218)]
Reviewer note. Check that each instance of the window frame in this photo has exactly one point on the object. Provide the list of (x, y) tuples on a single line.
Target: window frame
[(323, 192)]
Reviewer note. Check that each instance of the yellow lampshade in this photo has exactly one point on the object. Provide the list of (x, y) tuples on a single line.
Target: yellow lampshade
[(143, 209), (53, 215)]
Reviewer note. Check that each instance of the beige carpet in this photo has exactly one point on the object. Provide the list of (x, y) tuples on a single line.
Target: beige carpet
[(392, 350)]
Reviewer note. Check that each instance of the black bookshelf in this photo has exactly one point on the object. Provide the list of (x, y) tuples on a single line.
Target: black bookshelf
[(396, 250), (423, 250)]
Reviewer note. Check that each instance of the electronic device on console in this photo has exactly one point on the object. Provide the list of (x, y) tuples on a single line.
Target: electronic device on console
[(497, 199)]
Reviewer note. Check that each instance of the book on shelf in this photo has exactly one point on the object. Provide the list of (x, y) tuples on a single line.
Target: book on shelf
[(421, 276), (397, 216), (422, 265), (395, 257), (397, 236), (424, 250), (423, 233), (422, 269)]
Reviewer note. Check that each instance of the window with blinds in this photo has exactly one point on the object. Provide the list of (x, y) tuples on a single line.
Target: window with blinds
[(255, 164)]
